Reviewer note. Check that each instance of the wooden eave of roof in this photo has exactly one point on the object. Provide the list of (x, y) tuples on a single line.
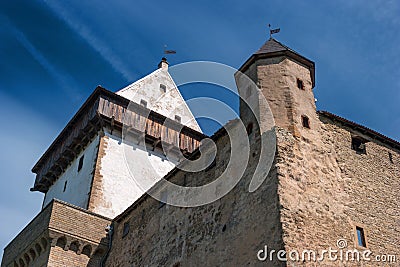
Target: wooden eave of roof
[(103, 108)]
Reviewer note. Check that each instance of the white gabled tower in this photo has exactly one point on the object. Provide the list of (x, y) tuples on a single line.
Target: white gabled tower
[(101, 171), (158, 92)]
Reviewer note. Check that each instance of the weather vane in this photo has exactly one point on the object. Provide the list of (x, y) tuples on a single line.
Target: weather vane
[(273, 31), (168, 51)]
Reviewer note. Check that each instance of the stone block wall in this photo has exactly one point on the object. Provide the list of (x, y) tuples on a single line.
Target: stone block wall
[(61, 235), (227, 232), (327, 189)]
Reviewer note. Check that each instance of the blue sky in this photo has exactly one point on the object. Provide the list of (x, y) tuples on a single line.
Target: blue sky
[(54, 53)]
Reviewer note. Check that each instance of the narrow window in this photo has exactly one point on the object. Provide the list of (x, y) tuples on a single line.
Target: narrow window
[(163, 87), (65, 186), (361, 237), (358, 144), (163, 200), (390, 157), (143, 103), (178, 118), (80, 164), (305, 121), (125, 231), (300, 84), (249, 128)]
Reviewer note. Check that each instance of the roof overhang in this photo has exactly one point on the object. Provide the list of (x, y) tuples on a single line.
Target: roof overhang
[(105, 108), (285, 53), (374, 135)]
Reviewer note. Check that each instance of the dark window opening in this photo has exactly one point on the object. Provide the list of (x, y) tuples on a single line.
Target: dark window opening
[(125, 231), (80, 164), (163, 87), (358, 144), (249, 128), (300, 84), (305, 121), (163, 200), (361, 237), (143, 103), (184, 180), (178, 118), (65, 186), (390, 157)]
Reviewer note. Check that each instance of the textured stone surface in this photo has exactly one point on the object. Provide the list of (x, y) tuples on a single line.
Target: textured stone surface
[(61, 235), (228, 232), (317, 192)]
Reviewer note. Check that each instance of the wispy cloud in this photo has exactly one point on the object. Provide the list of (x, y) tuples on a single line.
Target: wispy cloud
[(85, 32), (67, 83), (27, 136), (377, 10)]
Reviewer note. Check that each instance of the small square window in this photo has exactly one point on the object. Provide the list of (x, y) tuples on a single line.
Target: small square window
[(178, 118), (125, 231), (361, 237), (163, 87), (300, 84), (305, 121), (143, 103), (358, 144), (80, 164)]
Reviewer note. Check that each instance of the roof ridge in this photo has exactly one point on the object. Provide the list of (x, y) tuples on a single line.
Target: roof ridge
[(273, 45), (394, 143)]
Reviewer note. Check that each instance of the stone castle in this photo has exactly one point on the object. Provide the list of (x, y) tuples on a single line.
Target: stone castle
[(331, 180)]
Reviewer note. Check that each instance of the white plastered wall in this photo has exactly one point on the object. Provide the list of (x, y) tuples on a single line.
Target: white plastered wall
[(78, 185), (168, 103), (124, 168)]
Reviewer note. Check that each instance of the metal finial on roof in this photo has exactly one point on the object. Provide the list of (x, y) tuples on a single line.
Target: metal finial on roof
[(168, 51), (273, 31)]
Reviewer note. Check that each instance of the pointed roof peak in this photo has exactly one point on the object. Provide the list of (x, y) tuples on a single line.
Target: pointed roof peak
[(272, 45), (273, 48)]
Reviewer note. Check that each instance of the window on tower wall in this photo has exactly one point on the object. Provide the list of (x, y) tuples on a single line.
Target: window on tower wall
[(300, 84), (163, 200), (80, 164), (361, 237), (125, 230), (390, 157), (305, 121), (163, 87), (358, 144), (143, 103), (249, 128)]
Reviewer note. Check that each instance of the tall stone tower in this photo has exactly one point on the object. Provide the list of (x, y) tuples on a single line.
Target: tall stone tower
[(286, 80)]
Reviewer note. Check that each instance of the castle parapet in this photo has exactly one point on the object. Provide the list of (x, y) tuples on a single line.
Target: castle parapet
[(59, 227)]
